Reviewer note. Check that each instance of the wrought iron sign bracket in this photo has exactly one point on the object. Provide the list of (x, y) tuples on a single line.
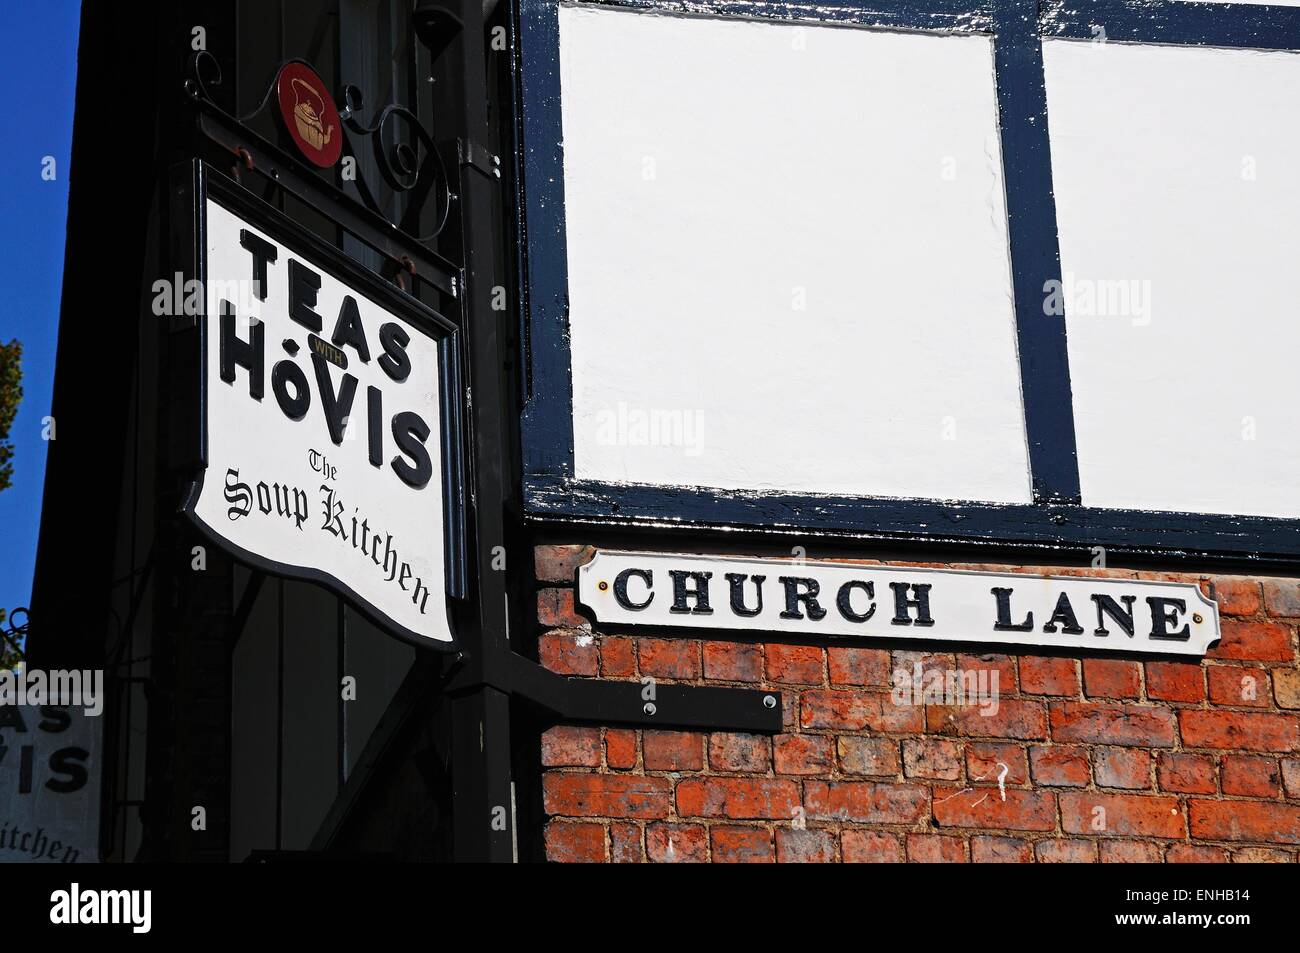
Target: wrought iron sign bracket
[(255, 154), (633, 704), (480, 159)]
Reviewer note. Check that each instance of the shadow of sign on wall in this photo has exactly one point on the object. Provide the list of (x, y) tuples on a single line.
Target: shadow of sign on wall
[(49, 784)]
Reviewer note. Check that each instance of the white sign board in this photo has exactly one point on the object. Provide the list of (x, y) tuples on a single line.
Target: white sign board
[(875, 602), (324, 455), (49, 784)]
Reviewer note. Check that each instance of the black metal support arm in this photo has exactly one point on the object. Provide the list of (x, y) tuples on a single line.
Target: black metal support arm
[(646, 704), (493, 677)]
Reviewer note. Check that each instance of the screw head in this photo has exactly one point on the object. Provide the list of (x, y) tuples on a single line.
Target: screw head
[(769, 701), (649, 708), (1196, 617), (602, 585)]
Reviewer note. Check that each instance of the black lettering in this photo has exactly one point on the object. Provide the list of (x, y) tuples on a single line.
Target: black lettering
[(282, 500), (737, 581), (1164, 614), (420, 600), (375, 425), (1106, 606), (1004, 623), (844, 600), (333, 509), (1063, 615), (262, 252), (389, 565), (249, 355), (284, 373), (395, 361), (903, 605), (348, 329), (810, 587), (69, 761), (620, 588), (238, 495), (54, 719), (337, 407), (409, 432), (303, 287), (699, 594)]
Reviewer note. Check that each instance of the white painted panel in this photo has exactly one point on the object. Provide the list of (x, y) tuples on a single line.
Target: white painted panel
[(1175, 175), (790, 242)]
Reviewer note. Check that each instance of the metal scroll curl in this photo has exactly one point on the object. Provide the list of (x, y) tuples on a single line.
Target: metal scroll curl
[(204, 70), (12, 635), (405, 153), (408, 164)]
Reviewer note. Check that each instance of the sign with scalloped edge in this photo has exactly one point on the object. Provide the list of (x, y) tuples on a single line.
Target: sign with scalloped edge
[(856, 601)]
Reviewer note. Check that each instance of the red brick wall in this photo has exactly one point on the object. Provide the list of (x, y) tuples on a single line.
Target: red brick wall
[(1105, 759)]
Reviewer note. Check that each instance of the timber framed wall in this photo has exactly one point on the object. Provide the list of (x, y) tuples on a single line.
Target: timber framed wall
[(231, 677), (638, 301)]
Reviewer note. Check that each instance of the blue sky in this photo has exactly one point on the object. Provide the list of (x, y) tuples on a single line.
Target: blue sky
[(38, 63)]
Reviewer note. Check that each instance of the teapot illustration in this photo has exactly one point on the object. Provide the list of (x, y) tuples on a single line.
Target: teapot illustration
[(307, 109)]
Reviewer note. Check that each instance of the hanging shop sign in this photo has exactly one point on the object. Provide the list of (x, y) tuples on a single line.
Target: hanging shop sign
[(330, 418), (875, 602)]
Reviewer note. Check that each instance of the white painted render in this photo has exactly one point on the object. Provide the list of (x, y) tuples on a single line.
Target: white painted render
[(788, 264), (1176, 184)]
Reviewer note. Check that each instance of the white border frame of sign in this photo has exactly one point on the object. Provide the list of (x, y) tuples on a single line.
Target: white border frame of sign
[(191, 184)]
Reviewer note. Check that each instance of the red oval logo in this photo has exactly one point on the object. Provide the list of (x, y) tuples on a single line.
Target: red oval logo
[(309, 114)]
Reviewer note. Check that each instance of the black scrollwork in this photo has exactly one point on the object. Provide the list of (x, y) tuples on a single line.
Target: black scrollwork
[(405, 153), (406, 166), (204, 70), (11, 637)]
